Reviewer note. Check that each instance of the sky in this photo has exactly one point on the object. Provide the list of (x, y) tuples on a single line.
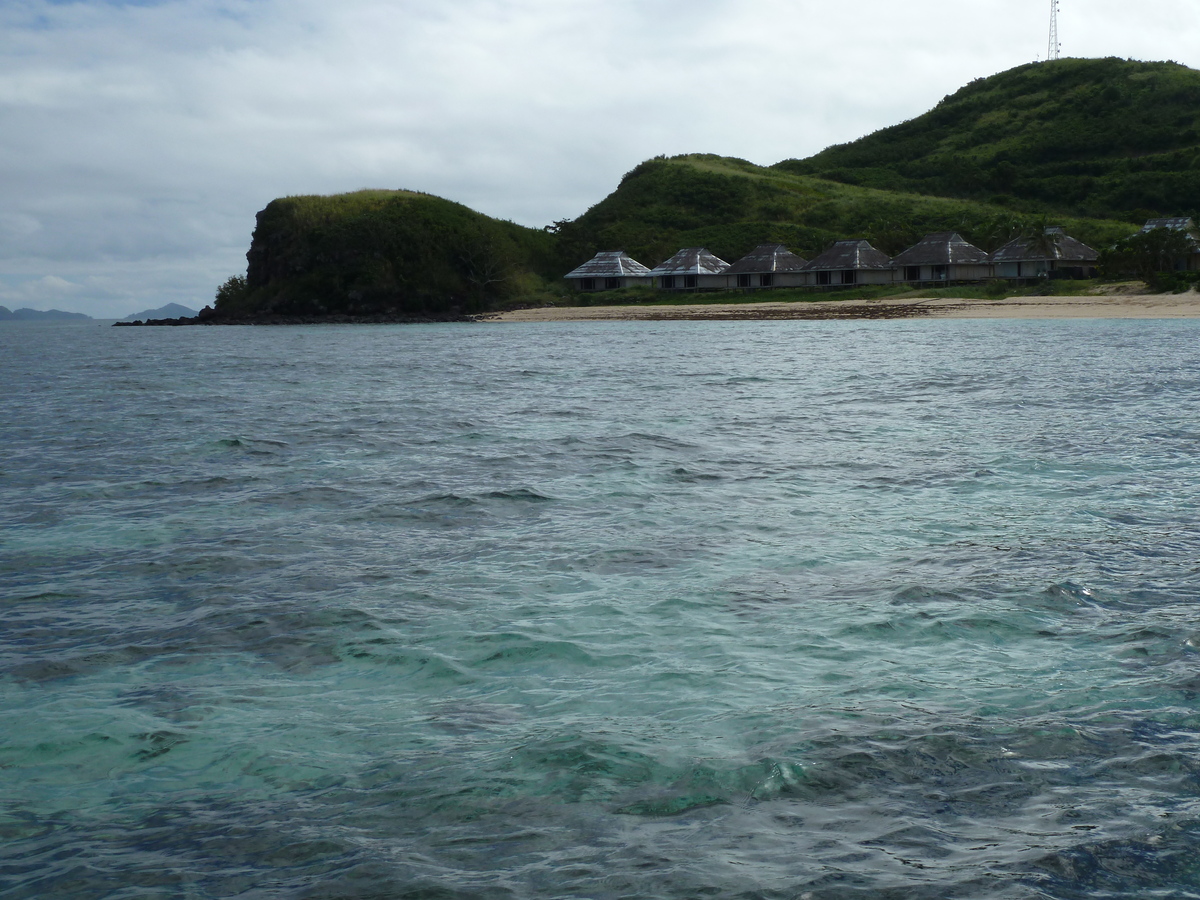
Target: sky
[(138, 138)]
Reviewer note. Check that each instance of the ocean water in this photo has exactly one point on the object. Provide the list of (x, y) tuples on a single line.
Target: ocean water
[(805, 610)]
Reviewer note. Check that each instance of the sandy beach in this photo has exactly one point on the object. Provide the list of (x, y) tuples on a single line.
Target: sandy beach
[(1115, 303)]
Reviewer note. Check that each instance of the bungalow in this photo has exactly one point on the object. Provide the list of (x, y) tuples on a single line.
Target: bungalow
[(942, 256), (692, 269), (850, 262), (767, 265), (1053, 254), (609, 270), (1191, 263)]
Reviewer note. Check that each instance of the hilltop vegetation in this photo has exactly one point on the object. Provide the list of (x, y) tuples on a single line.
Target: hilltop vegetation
[(1097, 137), (384, 252)]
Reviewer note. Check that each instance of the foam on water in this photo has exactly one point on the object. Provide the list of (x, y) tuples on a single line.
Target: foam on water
[(886, 609)]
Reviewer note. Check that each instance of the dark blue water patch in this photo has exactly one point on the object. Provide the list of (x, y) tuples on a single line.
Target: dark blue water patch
[(281, 633), (1163, 863), (920, 595), (679, 473)]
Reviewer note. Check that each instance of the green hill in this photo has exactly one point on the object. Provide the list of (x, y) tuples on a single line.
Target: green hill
[(384, 253), (1094, 145), (730, 206), (1097, 137)]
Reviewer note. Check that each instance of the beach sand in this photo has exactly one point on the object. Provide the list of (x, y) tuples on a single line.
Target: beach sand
[(1115, 303)]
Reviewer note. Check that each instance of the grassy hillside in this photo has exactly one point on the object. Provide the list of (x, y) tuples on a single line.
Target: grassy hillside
[(1097, 137), (385, 252), (730, 206)]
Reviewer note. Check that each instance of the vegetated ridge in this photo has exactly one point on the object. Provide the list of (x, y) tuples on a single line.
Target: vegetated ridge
[(1108, 138), (1096, 146)]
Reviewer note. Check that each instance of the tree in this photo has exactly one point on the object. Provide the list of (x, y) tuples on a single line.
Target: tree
[(231, 294), (485, 261), (1043, 240), (1149, 253)]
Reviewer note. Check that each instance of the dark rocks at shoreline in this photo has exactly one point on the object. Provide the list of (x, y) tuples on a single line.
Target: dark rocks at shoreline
[(208, 316), (179, 321)]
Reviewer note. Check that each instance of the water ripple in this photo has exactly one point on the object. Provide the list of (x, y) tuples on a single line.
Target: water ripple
[(771, 610)]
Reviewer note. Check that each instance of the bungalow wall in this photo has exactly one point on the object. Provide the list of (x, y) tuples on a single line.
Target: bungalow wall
[(835, 277), (607, 284), (691, 282), (1018, 269), (1038, 268), (955, 272), (767, 280)]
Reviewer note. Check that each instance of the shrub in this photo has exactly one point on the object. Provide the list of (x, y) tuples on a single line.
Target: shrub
[(232, 294)]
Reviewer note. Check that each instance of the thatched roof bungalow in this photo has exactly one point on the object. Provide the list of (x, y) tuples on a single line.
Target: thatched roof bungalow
[(767, 265), (1053, 253), (609, 270), (1181, 223), (850, 262), (691, 269), (942, 257)]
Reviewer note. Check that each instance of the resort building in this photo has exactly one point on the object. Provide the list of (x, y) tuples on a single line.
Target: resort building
[(609, 270), (850, 262), (767, 265), (942, 257), (1191, 263), (692, 269), (1053, 254)]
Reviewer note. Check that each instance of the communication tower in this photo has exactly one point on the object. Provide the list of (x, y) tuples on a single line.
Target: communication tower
[(1053, 47)]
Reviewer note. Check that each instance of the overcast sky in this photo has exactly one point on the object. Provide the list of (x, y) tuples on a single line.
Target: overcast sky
[(138, 139)]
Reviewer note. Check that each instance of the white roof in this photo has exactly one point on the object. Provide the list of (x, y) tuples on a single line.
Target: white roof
[(691, 261), (610, 264)]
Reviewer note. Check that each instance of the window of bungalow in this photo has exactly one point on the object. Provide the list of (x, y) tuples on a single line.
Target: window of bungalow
[(587, 284), (824, 278), (611, 284), (766, 280), (689, 281), (668, 282), (912, 273), (849, 276), (743, 281), (940, 273)]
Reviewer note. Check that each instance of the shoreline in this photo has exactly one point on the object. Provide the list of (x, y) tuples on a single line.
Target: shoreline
[(1100, 306), (1116, 304)]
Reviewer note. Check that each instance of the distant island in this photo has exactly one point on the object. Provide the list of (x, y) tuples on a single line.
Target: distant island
[(170, 311), (1094, 146), (40, 315)]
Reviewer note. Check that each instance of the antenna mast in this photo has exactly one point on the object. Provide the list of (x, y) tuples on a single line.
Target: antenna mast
[(1053, 47)]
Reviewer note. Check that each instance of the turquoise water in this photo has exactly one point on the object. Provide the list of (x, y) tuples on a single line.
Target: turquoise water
[(609, 610)]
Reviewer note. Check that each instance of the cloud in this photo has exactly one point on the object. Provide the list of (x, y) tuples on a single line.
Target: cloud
[(139, 139), (39, 293)]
